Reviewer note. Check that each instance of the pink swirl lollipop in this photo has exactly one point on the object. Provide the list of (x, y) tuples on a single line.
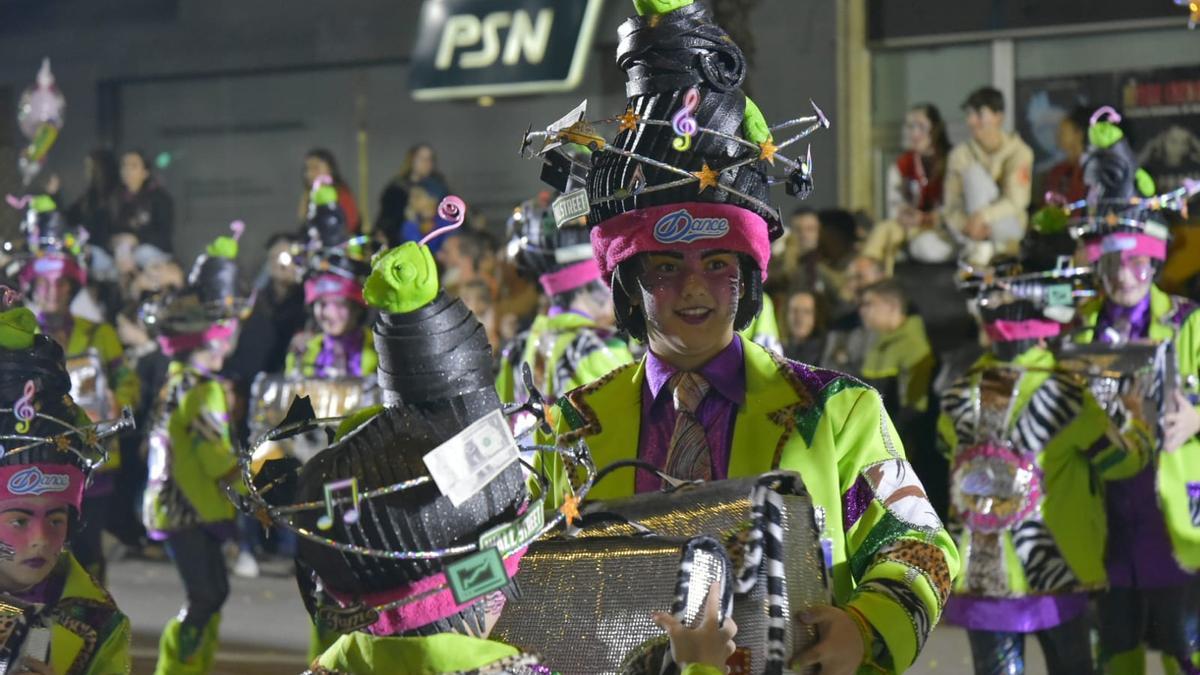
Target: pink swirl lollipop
[(454, 211)]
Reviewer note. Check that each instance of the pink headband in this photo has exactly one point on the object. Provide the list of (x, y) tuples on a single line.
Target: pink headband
[(422, 612), (688, 226), (62, 482), (325, 286), (571, 277), (1029, 329), (185, 342), (53, 266), (1128, 244)]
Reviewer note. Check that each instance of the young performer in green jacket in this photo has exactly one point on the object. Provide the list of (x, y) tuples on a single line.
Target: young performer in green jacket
[(681, 232), (1028, 445)]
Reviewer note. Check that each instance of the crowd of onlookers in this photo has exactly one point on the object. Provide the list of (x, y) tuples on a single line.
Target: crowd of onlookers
[(872, 298)]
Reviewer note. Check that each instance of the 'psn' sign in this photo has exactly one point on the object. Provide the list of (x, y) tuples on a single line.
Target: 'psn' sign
[(470, 48)]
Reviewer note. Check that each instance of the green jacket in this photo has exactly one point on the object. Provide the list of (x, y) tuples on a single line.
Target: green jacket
[(764, 329), (302, 362), (893, 561), (564, 352), (1029, 542), (88, 634), (123, 380), (1171, 318), (190, 452), (902, 361), (362, 654)]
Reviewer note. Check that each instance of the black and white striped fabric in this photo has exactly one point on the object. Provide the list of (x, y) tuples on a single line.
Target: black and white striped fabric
[(764, 550)]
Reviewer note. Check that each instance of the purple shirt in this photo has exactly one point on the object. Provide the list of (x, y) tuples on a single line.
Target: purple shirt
[(1139, 547), (726, 375), (1014, 615), (341, 355)]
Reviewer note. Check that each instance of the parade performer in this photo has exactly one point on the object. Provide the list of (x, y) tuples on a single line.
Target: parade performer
[(51, 451), (379, 538), (52, 277), (191, 454), (1026, 441), (681, 232), (334, 269), (572, 342), (1154, 518)]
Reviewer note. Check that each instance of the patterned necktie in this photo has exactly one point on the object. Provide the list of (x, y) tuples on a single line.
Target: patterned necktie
[(688, 457)]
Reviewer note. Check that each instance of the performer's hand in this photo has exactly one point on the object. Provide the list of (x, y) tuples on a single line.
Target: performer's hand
[(38, 667), (709, 643), (839, 649), (1181, 424)]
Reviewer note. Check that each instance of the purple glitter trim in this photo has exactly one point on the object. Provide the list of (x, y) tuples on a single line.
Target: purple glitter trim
[(1193, 490), (855, 502), (814, 378)]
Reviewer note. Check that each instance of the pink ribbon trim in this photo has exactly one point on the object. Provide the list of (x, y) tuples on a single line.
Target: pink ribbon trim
[(571, 277), (1129, 244), (174, 344), (1030, 329), (60, 482)]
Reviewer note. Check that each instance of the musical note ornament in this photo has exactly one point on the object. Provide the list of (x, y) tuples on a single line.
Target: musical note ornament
[(684, 122), (23, 408), (331, 489)]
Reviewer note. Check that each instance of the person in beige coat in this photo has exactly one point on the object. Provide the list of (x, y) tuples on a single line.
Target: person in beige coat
[(988, 181)]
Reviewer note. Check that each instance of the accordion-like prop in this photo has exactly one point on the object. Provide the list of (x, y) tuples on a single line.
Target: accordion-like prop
[(23, 633), (586, 600), (89, 385), (1132, 378), (271, 396)]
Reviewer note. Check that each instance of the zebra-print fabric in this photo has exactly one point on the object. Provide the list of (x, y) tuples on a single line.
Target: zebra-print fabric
[(585, 342), (764, 547), (1051, 408), (1045, 568), (958, 404), (904, 595)]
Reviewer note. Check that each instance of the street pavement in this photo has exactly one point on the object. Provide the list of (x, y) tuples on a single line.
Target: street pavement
[(264, 628)]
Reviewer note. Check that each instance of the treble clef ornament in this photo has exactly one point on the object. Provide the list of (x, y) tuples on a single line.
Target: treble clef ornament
[(23, 408), (684, 122)]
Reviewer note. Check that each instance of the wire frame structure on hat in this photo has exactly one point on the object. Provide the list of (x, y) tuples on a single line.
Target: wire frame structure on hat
[(256, 503), (350, 259), (1007, 282), (85, 443), (1095, 217), (556, 141)]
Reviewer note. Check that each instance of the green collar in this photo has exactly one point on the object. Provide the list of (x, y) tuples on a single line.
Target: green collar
[(442, 653)]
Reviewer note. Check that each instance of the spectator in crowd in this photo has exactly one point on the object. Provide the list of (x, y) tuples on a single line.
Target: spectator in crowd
[(419, 168), (838, 241), (466, 256), (321, 162), (421, 219), (988, 178), (806, 319), (96, 210), (900, 363), (799, 265), (846, 344), (914, 194), (146, 213), (279, 314), (1066, 177)]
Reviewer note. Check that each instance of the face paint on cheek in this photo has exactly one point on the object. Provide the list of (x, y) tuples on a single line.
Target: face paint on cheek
[(7, 552)]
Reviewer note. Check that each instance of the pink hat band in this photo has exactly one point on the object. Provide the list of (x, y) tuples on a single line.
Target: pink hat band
[(1128, 244), (686, 226), (186, 342), (1029, 329), (413, 615), (571, 277), (61, 482), (53, 266), (325, 286)]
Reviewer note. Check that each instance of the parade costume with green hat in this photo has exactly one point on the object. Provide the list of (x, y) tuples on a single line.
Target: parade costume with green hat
[(688, 174), (566, 346), (52, 449), (379, 535), (191, 454), (1154, 517), (334, 267), (1028, 445), (57, 252)]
